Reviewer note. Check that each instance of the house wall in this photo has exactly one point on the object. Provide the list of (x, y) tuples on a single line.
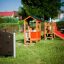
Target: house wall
[(61, 15)]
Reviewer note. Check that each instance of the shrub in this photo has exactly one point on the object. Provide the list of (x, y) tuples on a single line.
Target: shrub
[(21, 22), (1, 20), (60, 24), (8, 20)]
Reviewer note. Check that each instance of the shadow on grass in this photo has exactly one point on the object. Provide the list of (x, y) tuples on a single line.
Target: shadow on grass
[(20, 41), (58, 38)]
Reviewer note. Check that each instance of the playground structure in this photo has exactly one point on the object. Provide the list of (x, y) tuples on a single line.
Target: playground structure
[(57, 32), (32, 30), (51, 30), (48, 30)]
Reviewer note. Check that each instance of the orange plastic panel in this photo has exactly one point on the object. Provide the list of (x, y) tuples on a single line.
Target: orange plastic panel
[(35, 35)]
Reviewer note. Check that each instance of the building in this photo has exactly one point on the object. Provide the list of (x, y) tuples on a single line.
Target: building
[(61, 15), (8, 13)]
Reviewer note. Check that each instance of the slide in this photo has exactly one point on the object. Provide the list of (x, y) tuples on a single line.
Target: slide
[(58, 33)]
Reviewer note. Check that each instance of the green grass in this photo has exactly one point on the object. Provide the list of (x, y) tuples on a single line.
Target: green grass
[(43, 52)]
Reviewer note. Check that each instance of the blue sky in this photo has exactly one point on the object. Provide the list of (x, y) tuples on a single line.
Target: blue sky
[(12, 5), (9, 5)]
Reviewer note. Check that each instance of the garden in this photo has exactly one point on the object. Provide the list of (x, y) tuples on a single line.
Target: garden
[(42, 52)]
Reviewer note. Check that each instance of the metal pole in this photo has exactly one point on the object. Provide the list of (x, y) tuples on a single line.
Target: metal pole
[(14, 45)]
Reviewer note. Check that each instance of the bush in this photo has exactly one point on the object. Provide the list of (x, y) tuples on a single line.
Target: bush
[(21, 22), (1, 20), (8, 20), (60, 26)]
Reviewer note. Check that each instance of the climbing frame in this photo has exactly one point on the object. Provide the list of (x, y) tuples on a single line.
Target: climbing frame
[(32, 30), (48, 30)]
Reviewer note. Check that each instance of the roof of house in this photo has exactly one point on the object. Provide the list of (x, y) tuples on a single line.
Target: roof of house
[(7, 13)]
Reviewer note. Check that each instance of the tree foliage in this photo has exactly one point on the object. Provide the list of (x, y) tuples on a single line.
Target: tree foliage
[(21, 12), (62, 4), (41, 8)]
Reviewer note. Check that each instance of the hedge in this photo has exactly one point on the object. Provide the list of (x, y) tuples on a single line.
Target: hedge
[(8, 20), (60, 24)]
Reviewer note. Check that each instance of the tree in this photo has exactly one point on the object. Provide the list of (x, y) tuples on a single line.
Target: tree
[(62, 4), (21, 12), (41, 8)]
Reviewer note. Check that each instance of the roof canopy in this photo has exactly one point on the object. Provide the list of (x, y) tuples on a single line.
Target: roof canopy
[(30, 18)]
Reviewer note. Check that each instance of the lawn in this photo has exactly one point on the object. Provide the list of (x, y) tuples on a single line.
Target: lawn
[(43, 52)]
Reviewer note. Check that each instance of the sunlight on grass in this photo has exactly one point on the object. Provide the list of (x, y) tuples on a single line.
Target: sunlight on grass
[(43, 52)]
